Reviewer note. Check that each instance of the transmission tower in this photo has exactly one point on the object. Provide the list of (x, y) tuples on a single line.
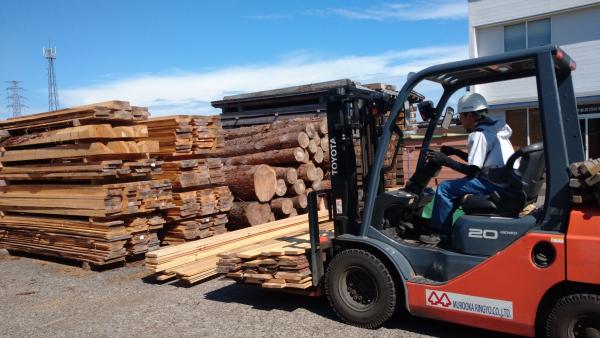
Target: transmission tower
[(14, 98), (50, 55)]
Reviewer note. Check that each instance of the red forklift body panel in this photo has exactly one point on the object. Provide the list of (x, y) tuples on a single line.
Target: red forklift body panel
[(583, 246), (502, 294)]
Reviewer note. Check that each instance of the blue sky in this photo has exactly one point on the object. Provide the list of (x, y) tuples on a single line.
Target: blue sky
[(177, 56)]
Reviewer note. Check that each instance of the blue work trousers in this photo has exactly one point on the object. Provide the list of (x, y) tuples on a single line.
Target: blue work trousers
[(448, 193)]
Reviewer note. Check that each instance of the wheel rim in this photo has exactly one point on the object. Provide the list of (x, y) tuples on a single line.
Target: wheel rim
[(358, 289), (584, 327)]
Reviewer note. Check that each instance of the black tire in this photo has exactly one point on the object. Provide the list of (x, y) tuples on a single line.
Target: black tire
[(360, 289), (576, 315)]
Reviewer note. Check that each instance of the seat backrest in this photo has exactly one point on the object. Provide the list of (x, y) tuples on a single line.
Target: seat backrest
[(529, 176)]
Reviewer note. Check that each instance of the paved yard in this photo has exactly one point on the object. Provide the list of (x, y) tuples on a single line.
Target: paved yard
[(47, 298)]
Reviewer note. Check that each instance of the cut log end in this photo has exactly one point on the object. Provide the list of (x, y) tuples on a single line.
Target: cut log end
[(281, 187), (265, 183)]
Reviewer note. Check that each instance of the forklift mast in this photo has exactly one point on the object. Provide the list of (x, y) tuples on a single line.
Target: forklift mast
[(354, 117)]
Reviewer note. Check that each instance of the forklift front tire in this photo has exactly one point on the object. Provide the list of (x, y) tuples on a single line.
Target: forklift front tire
[(576, 315), (360, 289)]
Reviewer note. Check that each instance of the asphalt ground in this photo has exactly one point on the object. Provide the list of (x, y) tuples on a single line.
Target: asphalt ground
[(47, 297)]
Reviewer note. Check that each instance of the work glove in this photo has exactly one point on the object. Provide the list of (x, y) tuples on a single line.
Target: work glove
[(437, 158), (441, 159)]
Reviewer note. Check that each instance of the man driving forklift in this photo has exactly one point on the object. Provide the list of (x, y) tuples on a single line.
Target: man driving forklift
[(489, 148)]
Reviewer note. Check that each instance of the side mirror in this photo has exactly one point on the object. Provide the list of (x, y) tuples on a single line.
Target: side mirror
[(426, 109), (448, 118)]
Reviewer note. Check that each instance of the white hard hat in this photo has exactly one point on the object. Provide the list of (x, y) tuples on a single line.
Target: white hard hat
[(471, 102)]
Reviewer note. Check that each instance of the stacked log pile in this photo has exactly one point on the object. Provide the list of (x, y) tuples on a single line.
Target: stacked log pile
[(270, 168), (194, 261), (585, 184), (189, 147), (78, 183)]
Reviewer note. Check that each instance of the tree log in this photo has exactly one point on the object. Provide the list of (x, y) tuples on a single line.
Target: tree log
[(313, 146), (277, 125), (250, 183), (318, 157), (288, 140), (281, 187), (306, 156), (244, 214), (296, 188), (271, 157), (323, 127), (325, 143), (290, 175), (316, 185), (282, 206), (310, 130), (300, 201), (307, 172), (320, 174), (293, 213), (269, 133)]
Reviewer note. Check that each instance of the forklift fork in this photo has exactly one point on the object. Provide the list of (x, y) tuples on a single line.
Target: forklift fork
[(316, 251)]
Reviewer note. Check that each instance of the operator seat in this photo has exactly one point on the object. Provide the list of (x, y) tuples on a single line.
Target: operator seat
[(491, 222), (521, 186)]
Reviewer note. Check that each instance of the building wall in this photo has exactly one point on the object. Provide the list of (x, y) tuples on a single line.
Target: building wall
[(487, 12), (576, 31)]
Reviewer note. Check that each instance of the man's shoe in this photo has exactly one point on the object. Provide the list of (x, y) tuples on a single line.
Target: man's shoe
[(433, 239)]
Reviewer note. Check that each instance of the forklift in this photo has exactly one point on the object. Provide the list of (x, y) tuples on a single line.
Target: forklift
[(534, 274)]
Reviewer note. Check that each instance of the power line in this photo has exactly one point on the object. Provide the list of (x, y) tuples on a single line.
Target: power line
[(50, 55), (14, 98)]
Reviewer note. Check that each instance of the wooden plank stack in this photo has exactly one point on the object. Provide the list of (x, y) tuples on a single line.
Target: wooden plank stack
[(189, 147), (585, 184), (281, 263), (194, 261), (181, 135), (78, 183), (271, 168)]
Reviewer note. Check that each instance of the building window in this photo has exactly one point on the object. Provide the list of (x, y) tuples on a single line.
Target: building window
[(514, 37), (526, 35), (538, 33)]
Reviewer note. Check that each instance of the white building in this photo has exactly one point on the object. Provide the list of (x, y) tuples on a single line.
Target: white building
[(497, 26)]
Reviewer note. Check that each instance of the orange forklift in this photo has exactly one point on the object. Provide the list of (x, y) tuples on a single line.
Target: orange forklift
[(533, 274)]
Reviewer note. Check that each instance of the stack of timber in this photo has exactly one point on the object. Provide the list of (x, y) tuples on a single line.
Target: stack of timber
[(183, 135), (281, 263), (189, 147), (79, 185), (270, 168), (194, 261), (585, 184)]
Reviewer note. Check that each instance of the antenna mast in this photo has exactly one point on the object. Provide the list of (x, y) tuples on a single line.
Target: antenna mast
[(50, 55)]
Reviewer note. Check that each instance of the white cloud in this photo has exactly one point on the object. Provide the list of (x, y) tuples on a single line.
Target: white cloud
[(414, 11), (191, 93)]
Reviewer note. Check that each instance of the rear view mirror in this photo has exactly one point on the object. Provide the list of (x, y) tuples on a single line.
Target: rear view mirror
[(426, 109), (448, 118)]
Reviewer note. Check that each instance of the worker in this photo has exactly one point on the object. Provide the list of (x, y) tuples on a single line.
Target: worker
[(488, 148)]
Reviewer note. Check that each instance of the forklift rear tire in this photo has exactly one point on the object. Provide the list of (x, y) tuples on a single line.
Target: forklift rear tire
[(576, 315), (360, 289)]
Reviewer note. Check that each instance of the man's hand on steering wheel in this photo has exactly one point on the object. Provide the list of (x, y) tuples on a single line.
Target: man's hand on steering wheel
[(437, 158), (440, 159)]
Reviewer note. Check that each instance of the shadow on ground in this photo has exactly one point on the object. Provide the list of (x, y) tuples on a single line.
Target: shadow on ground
[(268, 300)]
